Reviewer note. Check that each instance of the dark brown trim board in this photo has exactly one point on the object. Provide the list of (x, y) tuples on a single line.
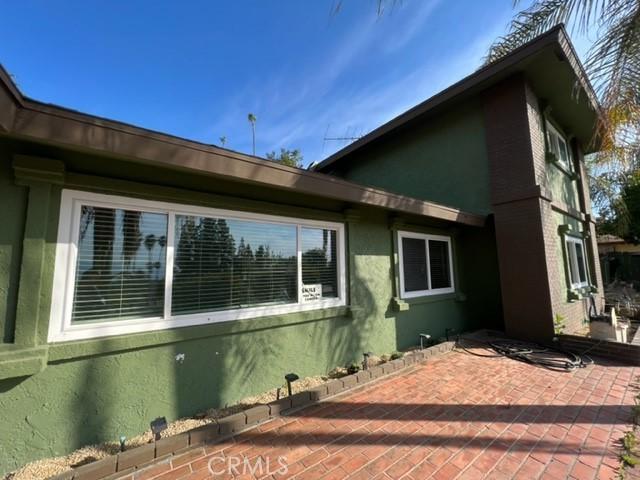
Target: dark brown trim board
[(28, 119)]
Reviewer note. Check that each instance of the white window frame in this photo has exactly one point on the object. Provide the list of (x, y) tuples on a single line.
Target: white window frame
[(429, 291), (572, 263), (554, 132), (60, 326)]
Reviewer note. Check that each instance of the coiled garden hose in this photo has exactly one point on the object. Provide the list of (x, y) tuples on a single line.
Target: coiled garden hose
[(534, 354)]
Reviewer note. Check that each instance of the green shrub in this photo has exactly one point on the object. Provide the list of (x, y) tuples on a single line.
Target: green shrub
[(353, 368)]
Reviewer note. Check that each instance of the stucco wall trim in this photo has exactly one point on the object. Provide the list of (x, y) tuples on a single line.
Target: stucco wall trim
[(562, 207)]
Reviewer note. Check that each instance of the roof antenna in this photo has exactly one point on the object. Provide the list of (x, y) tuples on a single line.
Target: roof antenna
[(346, 137)]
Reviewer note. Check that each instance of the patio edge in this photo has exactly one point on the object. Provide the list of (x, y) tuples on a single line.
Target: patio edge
[(221, 429)]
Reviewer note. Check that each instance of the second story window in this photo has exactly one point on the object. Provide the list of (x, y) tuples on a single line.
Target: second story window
[(558, 146)]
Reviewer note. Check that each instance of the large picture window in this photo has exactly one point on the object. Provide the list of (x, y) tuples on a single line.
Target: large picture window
[(120, 266), (577, 262), (125, 265), (426, 266)]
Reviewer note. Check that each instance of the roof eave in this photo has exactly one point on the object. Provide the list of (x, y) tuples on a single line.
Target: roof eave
[(45, 123)]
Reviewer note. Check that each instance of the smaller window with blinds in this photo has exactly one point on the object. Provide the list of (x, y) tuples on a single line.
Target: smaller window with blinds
[(576, 262), (126, 265), (426, 266)]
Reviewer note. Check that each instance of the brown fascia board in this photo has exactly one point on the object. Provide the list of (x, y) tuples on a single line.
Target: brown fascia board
[(40, 122), (10, 101), (480, 79)]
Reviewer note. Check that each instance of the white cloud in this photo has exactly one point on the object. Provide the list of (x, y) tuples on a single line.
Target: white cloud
[(409, 23), (294, 108)]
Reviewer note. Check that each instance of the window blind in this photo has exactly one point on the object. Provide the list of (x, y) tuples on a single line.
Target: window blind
[(120, 267), (222, 264), (582, 271), (319, 260), (211, 266), (414, 261), (439, 268)]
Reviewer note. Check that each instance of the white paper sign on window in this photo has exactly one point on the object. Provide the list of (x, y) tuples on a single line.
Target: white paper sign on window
[(311, 293)]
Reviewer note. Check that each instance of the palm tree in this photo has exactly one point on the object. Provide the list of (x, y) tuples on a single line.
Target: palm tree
[(252, 120), (613, 65)]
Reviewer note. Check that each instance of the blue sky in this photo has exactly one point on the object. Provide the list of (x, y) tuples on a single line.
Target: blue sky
[(196, 69)]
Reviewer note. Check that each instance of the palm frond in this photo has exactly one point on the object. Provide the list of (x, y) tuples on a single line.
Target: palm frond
[(540, 17), (614, 67)]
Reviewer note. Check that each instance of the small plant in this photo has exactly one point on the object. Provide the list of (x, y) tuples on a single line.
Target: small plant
[(397, 355), (629, 457), (559, 324), (353, 368), (384, 358), (630, 460), (629, 441)]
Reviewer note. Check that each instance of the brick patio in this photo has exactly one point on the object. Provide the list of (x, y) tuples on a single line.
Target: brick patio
[(458, 416)]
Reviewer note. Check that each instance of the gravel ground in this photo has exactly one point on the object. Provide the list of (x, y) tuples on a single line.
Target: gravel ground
[(48, 467)]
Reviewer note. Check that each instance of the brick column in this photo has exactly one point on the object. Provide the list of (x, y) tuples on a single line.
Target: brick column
[(519, 206)]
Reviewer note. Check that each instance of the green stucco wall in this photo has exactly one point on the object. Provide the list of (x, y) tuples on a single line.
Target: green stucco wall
[(14, 203), (422, 161), (97, 390)]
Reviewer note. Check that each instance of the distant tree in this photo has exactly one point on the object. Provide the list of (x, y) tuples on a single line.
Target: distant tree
[(291, 158), (223, 141), (630, 217), (252, 120), (621, 217)]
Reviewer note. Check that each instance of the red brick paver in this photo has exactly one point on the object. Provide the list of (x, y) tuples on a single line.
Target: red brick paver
[(458, 416)]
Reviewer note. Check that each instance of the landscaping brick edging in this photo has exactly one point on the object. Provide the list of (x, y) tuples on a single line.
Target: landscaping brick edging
[(626, 353), (144, 456)]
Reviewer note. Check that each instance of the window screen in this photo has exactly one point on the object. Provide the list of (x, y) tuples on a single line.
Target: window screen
[(120, 268), (425, 266), (577, 262), (414, 262), (223, 264), (319, 263), (558, 146), (439, 264)]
